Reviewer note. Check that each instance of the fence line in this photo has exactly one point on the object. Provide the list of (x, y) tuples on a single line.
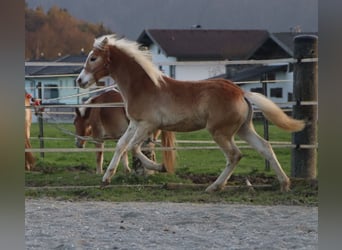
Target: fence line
[(157, 141), (121, 104), (75, 150), (101, 88), (118, 104), (91, 139), (197, 63), (192, 147), (240, 62), (92, 105), (275, 144)]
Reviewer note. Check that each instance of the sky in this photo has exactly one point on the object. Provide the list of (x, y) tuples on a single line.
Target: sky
[(130, 17)]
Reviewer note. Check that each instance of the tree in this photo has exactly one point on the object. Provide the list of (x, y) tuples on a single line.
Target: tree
[(57, 32)]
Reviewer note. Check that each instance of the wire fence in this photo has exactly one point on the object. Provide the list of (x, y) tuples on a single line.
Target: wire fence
[(52, 115)]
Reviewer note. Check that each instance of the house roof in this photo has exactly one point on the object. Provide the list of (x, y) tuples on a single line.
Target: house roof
[(257, 71), (57, 70), (202, 44), (285, 39), (251, 73)]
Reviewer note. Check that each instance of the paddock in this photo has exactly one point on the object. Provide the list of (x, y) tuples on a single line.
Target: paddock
[(52, 114), (52, 224), (217, 224), (298, 141)]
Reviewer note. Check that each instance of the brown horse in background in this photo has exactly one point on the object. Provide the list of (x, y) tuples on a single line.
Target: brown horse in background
[(111, 123), (155, 101), (29, 158)]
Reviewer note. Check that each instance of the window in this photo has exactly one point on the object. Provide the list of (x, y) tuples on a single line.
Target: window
[(277, 92), (101, 84), (271, 76), (51, 91), (172, 71), (258, 90)]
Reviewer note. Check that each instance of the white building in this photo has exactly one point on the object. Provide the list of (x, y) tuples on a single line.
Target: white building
[(196, 49), (189, 47)]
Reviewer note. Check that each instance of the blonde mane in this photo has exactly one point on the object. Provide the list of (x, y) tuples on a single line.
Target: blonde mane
[(82, 110), (132, 49)]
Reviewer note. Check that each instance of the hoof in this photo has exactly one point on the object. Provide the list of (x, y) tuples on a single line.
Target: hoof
[(163, 169), (213, 188), (285, 186), (104, 184), (127, 171)]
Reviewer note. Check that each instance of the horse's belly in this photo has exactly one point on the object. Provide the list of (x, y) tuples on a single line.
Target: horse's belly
[(184, 125)]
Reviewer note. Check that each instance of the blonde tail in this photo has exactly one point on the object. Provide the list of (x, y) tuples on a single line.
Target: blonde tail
[(273, 113), (169, 156)]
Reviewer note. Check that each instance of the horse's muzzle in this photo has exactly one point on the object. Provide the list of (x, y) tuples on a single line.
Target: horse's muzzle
[(79, 144)]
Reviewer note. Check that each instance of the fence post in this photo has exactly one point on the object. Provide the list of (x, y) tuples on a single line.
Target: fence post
[(265, 121), (40, 121), (305, 87)]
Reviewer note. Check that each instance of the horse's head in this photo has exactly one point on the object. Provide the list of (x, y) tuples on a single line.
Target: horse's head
[(110, 54), (96, 65), (82, 128)]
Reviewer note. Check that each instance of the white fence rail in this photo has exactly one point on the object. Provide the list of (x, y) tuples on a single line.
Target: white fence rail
[(224, 62)]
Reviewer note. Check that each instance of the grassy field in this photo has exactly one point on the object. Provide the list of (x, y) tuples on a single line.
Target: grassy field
[(76, 173)]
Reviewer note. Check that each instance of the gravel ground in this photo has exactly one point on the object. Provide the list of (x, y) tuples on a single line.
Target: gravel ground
[(52, 224)]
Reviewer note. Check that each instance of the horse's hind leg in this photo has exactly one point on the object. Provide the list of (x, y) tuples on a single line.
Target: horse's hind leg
[(248, 133), (139, 137), (233, 156), (124, 160), (99, 158)]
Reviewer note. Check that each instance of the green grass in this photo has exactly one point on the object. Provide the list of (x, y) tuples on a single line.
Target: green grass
[(206, 161), (78, 169)]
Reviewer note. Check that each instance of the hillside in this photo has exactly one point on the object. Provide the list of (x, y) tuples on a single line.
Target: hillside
[(56, 33), (130, 17)]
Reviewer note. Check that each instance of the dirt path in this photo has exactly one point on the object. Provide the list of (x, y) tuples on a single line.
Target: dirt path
[(52, 224)]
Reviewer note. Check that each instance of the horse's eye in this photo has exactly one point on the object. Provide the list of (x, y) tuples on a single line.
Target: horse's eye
[(92, 59)]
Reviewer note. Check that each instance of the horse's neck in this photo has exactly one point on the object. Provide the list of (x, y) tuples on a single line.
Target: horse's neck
[(129, 75), (94, 119), (132, 81)]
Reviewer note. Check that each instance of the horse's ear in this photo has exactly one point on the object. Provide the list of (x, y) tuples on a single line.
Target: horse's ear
[(104, 42)]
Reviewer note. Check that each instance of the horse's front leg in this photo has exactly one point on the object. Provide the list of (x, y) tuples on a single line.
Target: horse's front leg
[(121, 147)]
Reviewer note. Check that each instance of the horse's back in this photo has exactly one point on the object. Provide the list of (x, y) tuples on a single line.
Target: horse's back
[(193, 105), (204, 92), (107, 97)]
